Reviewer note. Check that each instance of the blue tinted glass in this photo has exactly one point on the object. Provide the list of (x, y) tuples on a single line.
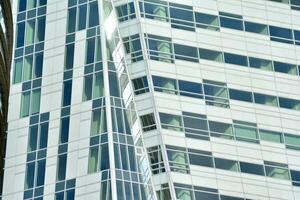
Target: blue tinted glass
[(70, 195), (38, 70), (22, 5), (265, 99), (69, 59), (161, 81), (285, 68), (94, 15), (82, 17), (281, 32), (43, 135), (235, 59), (61, 168), (41, 29), (64, 130), (67, 93), (59, 196), (205, 19), (187, 53), (252, 168), (182, 18), (295, 175), (113, 84), (201, 160), (206, 196), (297, 36), (190, 89), (40, 172), (29, 175), (289, 103), (90, 51), (240, 95), (256, 28), (71, 20), (20, 34), (231, 21), (260, 63)]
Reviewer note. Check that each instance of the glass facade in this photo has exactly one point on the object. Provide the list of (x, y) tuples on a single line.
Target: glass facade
[(154, 100)]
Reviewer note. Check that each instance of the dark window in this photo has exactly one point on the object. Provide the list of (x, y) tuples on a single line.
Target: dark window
[(90, 51), (195, 124), (190, 89), (82, 17), (226, 164), (140, 85), (207, 21), (166, 85), (187, 53), (157, 10), (29, 181), (285, 68), (232, 21), (206, 196), (113, 84), (64, 130), (252, 168), (61, 167), (43, 135), (148, 122), (297, 35), (22, 5), (126, 12), (295, 175), (260, 64), (256, 28), (94, 15), (211, 55), (20, 34), (182, 17), (289, 103), (235, 59), (40, 177), (67, 93), (71, 20), (240, 95), (200, 158), (281, 34), (265, 99), (38, 69), (41, 29)]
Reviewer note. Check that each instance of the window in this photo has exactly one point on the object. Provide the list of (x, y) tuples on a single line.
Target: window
[(69, 56), (126, 12), (270, 136), (219, 129), (190, 89), (289, 103), (67, 92), (182, 17), (93, 85), (207, 21), (187, 53), (87, 87), (171, 122), (211, 55), (160, 48), (295, 175), (235, 59), (178, 159), (157, 10), (30, 29), (232, 21), (148, 122), (61, 167), (251, 168), (277, 170), (18, 70), (71, 20), (206, 196), (265, 99), (297, 33), (93, 14), (133, 47), (285, 68), (245, 131), (64, 130), (256, 28), (201, 158), (226, 164), (260, 64), (281, 34), (166, 85), (98, 124), (40, 35), (195, 125), (156, 160), (30, 102), (140, 85), (20, 34), (216, 93), (292, 141), (98, 158), (240, 95), (38, 137)]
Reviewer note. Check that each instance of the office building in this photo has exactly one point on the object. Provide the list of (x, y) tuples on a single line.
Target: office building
[(152, 99)]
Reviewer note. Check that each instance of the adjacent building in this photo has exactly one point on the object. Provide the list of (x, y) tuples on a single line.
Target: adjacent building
[(6, 46), (153, 99)]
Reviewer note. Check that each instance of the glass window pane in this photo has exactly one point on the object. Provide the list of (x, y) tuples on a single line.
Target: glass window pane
[(35, 101), (43, 135), (211, 55), (201, 160), (38, 69), (190, 89), (71, 20), (235, 59), (98, 85), (260, 64), (187, 53), (29, 181), (113, 84), (172, 122), (22, 5), (140, 85), (18, 70), (30, 28), (219, 129), (20, 34), (64, 130), (228, 20), (292, 141), (277, 172), (246, 132), (193, 124), (265, 99), (270, 136), (27, 71), (61, 167), (281, 32), (182, 17), (40, 176), (93, 14), (289, 103), (156, 10), (230, 165), (206, 196), (25, 103), (256, 28), (285, 68), (93, 159), (67, 92), (295, 175), (148, 122), (32, 140), (252, 168), (207, 21), (87, 88), (40, 36), (31, 4), (184, 194), (240, 95), (82, 17), (69, 56), (166, 85)]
